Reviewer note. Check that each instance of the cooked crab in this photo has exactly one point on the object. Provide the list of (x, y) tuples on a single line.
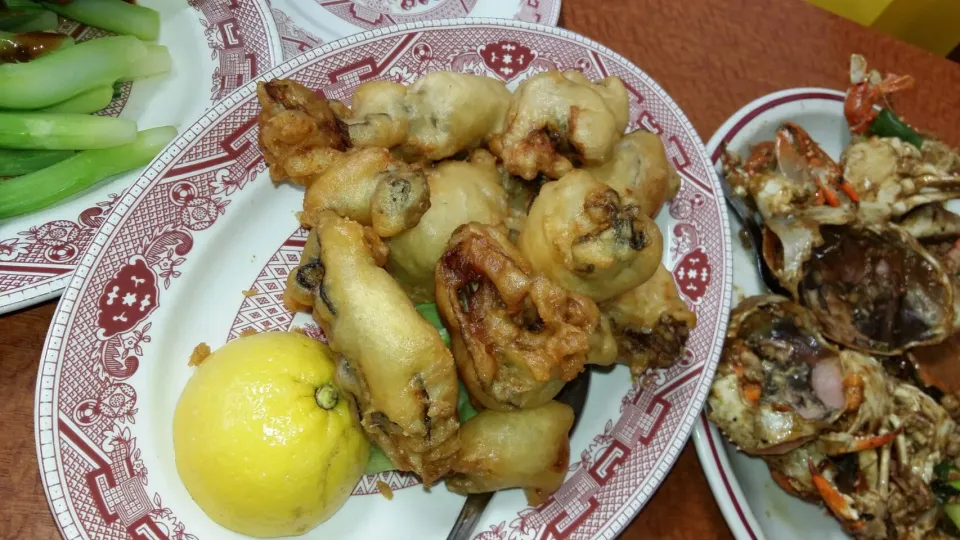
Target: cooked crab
[(873, 286), (875, 289), (890, 177), (780, 383)]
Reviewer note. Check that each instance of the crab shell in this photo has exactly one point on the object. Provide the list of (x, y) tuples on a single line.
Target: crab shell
[(874, 288), (780, 382)]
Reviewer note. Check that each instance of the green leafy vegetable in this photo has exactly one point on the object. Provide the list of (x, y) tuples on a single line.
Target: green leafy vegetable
[(113, 15), (29, 18), (953, 512), (44, 187), (56, 131), (378, 462)]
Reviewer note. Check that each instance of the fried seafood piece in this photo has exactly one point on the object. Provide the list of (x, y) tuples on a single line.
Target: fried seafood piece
[(528, 449), (371, 187), (561, 120), (392, 360), (581, 236), (460, 192), (650, 323), (440, 115), (516, 336), (780, 383), (300, 132), (640, 172)]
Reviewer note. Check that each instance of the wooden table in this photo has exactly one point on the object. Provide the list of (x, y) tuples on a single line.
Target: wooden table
[(712, 56)]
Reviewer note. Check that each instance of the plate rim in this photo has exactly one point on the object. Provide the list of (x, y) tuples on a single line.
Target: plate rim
[(673, 446), (707, 439), (48, 289)]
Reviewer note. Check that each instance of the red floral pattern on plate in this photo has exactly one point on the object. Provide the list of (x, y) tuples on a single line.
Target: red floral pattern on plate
[(96, 478), (371, 14), (239, 37)]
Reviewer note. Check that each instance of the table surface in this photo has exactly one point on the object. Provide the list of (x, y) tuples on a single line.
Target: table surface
[(712, 56)]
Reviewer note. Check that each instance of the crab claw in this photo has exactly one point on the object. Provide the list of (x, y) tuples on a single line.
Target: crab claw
[(800, 158), (868, 91), (838, 503)]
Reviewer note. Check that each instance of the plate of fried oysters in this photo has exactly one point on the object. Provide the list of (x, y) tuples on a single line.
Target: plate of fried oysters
[(347, 299)]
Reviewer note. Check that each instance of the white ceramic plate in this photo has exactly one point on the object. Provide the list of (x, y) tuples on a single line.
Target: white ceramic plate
[(329, 20), (204, 223), (753, 505), (217, 46)]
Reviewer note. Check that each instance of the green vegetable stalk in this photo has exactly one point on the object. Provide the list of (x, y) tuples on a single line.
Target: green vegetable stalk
[(63, 74), (42, 188), (156, 62), (18, 162), (56, 131), (113, 15), (87, 102)]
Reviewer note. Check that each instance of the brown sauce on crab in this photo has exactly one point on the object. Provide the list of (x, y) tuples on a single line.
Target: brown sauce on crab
[(871, 292)]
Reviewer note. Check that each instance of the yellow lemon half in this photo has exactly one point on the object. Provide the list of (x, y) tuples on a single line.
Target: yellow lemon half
[(264, 441)]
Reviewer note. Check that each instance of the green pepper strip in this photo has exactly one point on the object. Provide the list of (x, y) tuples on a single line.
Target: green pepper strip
[(887, 124)]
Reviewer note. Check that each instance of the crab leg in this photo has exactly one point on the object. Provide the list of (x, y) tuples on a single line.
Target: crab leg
[(837, 502), (802, 159), (835, 444)]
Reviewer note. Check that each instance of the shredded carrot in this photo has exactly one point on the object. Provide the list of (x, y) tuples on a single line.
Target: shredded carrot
[(849, 191), (752, 392), (831, 197)]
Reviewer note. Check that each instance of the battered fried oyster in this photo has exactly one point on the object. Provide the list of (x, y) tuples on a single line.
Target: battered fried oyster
[(516, 336), (581, 236), (640, 172), (528, 449), (436, 117), (558, 121), (371, 187), (650, 323), (460, 192), (402, 375), (299, 132)]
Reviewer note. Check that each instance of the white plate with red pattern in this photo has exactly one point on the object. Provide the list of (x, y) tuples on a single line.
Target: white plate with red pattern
[(329, 20), (217, 46), (168, 268), (753, 505)]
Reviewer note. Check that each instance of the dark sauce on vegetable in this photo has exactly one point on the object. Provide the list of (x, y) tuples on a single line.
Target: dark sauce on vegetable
[(27, 46)]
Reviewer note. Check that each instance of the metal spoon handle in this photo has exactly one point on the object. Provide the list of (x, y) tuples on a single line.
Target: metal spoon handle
[(469, 515)]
